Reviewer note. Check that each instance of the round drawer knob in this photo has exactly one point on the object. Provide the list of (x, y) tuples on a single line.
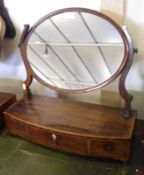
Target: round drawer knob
[(17, 126), (54, 137), (108, 147)]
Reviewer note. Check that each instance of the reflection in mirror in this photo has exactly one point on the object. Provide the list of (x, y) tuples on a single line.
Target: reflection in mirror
[(75, 50)]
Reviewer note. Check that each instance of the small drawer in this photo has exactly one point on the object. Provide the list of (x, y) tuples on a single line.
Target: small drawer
[(110, 149), (71, 144), (16, 127), (57, 140)]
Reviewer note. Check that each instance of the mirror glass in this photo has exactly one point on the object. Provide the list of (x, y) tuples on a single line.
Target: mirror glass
[(75, 50)]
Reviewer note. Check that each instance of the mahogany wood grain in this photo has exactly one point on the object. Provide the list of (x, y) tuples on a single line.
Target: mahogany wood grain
[(83, 128)]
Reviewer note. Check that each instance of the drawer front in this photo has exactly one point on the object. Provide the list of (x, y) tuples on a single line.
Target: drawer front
[(111, 149), (16, 127), (58, 141), (74, 144)]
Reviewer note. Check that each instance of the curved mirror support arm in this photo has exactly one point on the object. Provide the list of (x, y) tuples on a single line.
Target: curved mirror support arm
[(25, 32), (29, 78), (122, 88), (26, 84)]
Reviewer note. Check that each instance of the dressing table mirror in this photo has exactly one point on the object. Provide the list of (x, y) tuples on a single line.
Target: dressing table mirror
[(75, 50)]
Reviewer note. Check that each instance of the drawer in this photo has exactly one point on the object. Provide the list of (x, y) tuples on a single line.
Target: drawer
[(57, 140), (99, 148), (110, 149), (16, 127)]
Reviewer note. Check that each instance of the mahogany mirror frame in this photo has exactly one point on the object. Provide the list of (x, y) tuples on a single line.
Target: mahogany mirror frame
[(122, 70)]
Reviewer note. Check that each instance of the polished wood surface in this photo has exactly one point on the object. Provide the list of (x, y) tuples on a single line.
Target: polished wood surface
[(74, 117), (5, 101), (76, 127)]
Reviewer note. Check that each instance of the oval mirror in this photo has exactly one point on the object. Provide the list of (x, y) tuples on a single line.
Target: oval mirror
[(76, 49)]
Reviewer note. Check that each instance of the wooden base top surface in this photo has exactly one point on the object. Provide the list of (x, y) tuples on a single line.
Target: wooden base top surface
[(6, 97), (6, 100), (77, 118)]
